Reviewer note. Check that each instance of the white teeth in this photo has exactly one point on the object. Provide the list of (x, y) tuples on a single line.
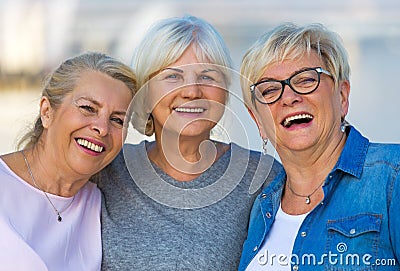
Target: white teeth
[(288, 120), (189, 110), (89, 145)]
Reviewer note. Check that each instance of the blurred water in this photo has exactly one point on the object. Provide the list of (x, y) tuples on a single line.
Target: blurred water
[(17, 112)]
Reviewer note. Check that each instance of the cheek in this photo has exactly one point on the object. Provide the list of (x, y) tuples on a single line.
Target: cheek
[(215, 94), (159, 102), (267, 120), (333, 103), (160, 112), (158, 92), (217, 100), (117, 140)]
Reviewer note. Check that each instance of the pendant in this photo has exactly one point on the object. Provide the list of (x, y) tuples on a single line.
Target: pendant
[(59, 218), (308, 200)]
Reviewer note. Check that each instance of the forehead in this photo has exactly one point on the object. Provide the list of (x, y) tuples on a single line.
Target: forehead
[(193, 68), (285, 68), (192, 54), (100, 87)]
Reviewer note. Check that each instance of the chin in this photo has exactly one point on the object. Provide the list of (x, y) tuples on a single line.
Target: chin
[(295, 144), (194, 133), (193, 129), (85, 167)]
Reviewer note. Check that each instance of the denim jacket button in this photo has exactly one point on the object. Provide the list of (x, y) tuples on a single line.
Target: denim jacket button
[(264, 196), (303, 234), (255, 248), (295, 267), (268, 215), (352, 231)]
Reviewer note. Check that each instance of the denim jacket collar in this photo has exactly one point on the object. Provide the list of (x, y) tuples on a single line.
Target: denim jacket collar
[(353, 155), (343, 210), (351, 160)]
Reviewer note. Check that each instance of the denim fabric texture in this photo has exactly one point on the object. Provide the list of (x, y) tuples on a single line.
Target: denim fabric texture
[(355, 227)]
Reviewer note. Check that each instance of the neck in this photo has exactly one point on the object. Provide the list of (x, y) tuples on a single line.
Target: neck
[(50, 176), (184, 158), (306, 169)]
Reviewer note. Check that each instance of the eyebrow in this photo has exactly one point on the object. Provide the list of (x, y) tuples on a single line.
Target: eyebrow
[(210, 70), (182, 71), (293, 73), (95, 102), (174, 69)]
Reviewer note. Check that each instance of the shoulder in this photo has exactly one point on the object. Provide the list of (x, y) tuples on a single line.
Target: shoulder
[(384, 153), (130, 153), (381, 169), (271, 165), (252, 156), (131, 158), (260, 169), (90, 190), (256, 160)]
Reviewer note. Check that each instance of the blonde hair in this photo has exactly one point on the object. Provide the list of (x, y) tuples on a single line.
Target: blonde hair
[(164, 44), (63, 81), (289, 41)]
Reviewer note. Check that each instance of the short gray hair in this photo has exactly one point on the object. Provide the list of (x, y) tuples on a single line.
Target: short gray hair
[(291, 41)]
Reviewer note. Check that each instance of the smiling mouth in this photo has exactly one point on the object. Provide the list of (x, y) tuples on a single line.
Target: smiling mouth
[(89, 145), (189, 109), (297, 119)]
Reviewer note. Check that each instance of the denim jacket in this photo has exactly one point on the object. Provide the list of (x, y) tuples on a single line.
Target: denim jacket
[(355, 227)]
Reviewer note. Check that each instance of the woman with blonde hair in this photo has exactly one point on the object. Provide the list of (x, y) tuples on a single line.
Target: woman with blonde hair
[(49, 212)]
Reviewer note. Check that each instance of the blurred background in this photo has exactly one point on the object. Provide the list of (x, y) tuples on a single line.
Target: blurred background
[(36, 35)]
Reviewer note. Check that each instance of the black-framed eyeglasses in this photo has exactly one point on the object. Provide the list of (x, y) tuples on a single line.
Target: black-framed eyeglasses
[(302, 82)]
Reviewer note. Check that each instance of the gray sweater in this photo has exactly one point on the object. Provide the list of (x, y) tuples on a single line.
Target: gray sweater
[(151, 221)]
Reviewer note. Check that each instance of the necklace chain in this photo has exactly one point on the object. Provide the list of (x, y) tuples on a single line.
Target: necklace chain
[(58, 213), (308, 197)]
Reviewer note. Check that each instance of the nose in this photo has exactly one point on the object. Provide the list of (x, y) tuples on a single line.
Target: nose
[(101, 126), (192, 90), (289, 97)]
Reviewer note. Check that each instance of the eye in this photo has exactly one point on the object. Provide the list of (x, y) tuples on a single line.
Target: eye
[(88, 108), (117, 121), (206, 78), (269, 89), (173, 77), (305, 79)]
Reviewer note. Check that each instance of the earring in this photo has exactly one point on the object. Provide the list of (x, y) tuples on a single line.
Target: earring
[(264, 146), (343, 126)]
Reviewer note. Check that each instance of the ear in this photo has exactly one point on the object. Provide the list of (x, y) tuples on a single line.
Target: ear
[(344, 97), (46, 112), (260, 128)]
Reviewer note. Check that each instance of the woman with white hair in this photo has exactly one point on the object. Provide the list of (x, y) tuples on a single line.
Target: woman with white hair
[(182, 201)]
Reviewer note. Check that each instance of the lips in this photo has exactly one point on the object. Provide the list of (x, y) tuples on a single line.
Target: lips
[(90, 145), (297, 119)]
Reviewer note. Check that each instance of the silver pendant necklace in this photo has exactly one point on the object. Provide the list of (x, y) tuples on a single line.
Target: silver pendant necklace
[(308, 197), (58, 213)]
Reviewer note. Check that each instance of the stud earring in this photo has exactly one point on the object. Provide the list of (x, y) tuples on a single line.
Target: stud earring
[(264, 146)]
